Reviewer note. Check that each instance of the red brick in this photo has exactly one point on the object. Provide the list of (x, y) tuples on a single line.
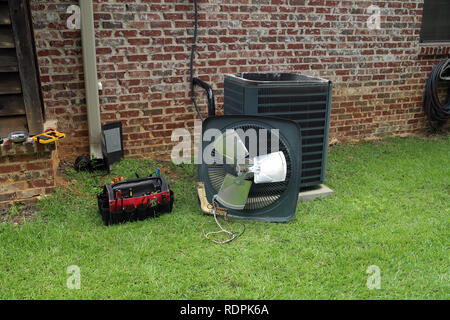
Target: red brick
[(144, 49)]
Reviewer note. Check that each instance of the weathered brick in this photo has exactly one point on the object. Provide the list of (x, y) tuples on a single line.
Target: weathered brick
[(143, 61), (7, 196)]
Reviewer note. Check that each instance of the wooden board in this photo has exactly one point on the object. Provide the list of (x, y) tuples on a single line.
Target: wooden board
[(8, 60), (6, 37), (10, 83), (4, 14), (26, 58), (10, 124), (9, 68), (11, 105)]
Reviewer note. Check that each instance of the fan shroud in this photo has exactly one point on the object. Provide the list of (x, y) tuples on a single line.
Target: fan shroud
[(260, 195), (266, 201)]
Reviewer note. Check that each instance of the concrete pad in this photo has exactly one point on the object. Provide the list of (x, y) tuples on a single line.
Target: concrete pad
[(312, 193)]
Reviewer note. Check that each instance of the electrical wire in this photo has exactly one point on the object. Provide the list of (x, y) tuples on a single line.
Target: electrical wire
[(194, 46), (231, 235), (436, 111)]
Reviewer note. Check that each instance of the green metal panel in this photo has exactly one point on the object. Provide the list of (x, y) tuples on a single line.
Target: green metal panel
[(251, 101), (289, 100), (327, 133)]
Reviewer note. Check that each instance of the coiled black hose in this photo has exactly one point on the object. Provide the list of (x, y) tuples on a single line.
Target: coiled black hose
[(438, 113)]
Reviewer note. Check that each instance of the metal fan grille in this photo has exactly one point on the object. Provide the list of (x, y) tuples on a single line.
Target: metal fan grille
[(260, 195)]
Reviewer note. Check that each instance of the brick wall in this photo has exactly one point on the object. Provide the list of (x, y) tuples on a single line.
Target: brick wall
[(60, 63), (143, 62), (26, 171)]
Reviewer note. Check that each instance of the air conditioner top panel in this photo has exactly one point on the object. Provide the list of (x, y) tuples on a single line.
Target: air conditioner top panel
[(275, 79)]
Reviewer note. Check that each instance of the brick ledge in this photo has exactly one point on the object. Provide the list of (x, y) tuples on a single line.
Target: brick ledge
[(8, 148), (435, 48)]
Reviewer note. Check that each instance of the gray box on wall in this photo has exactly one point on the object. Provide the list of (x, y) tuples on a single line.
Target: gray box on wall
[(303, 99)]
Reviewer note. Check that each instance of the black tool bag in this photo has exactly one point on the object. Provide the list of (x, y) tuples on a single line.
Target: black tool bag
[(135, 199)]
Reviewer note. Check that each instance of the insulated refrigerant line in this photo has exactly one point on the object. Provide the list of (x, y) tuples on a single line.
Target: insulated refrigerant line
[(194, 45)]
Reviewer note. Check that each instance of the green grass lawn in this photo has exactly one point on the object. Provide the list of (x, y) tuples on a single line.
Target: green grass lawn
[(390, 209)]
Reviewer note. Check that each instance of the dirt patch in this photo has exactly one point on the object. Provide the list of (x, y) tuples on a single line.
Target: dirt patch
[(18, 214), (60, 177), (63, 166)]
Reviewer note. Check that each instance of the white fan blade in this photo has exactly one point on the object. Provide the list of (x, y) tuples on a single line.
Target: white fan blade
[(231, 146), (269, 168), (234, 191)]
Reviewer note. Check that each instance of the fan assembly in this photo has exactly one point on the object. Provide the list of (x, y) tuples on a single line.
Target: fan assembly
[(250, 167), (251, 176)]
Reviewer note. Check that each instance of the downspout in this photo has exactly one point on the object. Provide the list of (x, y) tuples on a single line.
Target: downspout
[(90, 78)]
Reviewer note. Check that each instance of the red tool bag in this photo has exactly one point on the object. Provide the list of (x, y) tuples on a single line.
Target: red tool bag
[(135, 199)]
